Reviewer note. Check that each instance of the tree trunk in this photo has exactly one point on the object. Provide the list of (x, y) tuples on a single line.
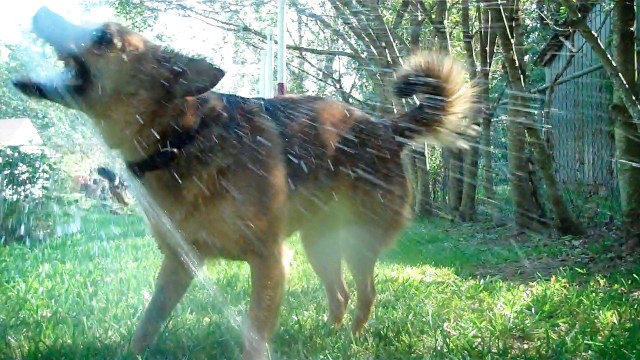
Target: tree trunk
[(417, 170), (424, 205), (455, 182), (521, 188), (452, 158), (488, 38), (535, 189), (566, 222), (470, 182), (414, 159), (526, 210), (439, 26), (470, 157), (296, 84), (411, 173), (485, 142), (627, 136)]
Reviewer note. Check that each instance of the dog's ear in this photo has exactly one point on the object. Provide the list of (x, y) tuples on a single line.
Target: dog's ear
[(193, 76)]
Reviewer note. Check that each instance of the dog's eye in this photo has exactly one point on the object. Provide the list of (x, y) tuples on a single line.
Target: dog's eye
[(102, 38)]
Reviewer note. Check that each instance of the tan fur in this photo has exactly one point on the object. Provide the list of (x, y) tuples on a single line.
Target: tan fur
[(460, 96), (260, 172), (334, 123)]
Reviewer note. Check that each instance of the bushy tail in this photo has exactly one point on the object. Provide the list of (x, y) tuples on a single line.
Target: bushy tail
[(446, 102)]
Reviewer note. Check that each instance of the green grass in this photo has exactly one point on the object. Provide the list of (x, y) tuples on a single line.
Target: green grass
[(447, 291)]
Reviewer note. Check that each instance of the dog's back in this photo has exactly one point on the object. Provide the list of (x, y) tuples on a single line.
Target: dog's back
[(340, 162)]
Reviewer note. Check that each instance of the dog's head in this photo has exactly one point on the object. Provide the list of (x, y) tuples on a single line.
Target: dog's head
[(113, 74)]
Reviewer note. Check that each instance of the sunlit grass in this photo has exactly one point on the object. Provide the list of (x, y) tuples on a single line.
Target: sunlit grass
[(444, 292)]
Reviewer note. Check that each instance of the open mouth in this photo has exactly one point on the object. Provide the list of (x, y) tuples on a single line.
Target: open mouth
[(72, 82), (75, 78)]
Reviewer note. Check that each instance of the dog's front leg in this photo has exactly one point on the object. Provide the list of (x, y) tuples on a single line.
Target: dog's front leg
[(173, 281), (267, 287)]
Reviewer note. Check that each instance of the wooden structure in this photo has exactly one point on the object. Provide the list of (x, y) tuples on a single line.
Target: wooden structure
[(18, 132), (579, 123)]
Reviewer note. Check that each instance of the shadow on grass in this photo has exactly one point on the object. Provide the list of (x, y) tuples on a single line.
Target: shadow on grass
[(484, 250)]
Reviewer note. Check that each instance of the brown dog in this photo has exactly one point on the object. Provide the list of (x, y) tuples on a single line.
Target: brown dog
[(237, 176)]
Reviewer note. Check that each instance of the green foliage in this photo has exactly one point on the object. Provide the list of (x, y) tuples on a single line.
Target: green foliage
[(596, 208), (30, 207), (607, 86), (135, 13)]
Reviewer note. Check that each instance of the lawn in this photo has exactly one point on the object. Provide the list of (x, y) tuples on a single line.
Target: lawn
[(447, 291)]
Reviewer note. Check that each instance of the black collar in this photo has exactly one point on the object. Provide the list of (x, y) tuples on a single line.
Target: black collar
[(160, 159), (178, 138), (181, 138)]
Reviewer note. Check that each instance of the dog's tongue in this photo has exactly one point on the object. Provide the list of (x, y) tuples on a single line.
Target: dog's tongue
[(64, 36)]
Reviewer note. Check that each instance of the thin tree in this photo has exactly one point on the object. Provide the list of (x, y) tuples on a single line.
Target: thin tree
[(416, 159), (520, 123), (521, 187), (487, 40), (626, 110), (486, 44), (470, 158), (627, 135)]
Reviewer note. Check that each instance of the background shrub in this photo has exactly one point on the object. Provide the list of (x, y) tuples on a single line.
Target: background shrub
[(32, 196)]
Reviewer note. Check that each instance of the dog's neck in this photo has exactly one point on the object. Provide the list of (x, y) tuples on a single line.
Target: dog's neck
[(165, 134), (132, 132), (185, 122)]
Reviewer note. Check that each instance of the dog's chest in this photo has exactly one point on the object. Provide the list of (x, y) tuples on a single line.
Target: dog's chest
[(231, 213)]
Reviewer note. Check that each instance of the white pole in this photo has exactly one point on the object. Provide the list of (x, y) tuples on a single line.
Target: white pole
[(281, 48), (263, 74), (269, 67)]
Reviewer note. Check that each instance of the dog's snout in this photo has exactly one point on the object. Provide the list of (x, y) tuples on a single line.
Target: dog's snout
[(42, 15), (47, 22), (57, 31)]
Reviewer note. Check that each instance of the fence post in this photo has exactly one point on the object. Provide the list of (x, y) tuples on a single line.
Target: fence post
[(281, 49), (269, 67), (262, 86)]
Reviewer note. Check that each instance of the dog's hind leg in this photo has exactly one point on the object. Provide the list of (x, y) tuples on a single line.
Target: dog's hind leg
[(375, 228), (361, 261), (324, 253), (172, 283), (268, 275)]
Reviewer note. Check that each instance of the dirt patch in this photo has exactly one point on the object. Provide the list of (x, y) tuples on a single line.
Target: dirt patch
[(601, 251)]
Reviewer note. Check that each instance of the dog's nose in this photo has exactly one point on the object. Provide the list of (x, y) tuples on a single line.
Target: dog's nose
[(45, 20), (57, 31), (42, 13)]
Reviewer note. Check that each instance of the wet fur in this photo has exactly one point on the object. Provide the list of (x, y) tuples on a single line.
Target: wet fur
[(260, 171)]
